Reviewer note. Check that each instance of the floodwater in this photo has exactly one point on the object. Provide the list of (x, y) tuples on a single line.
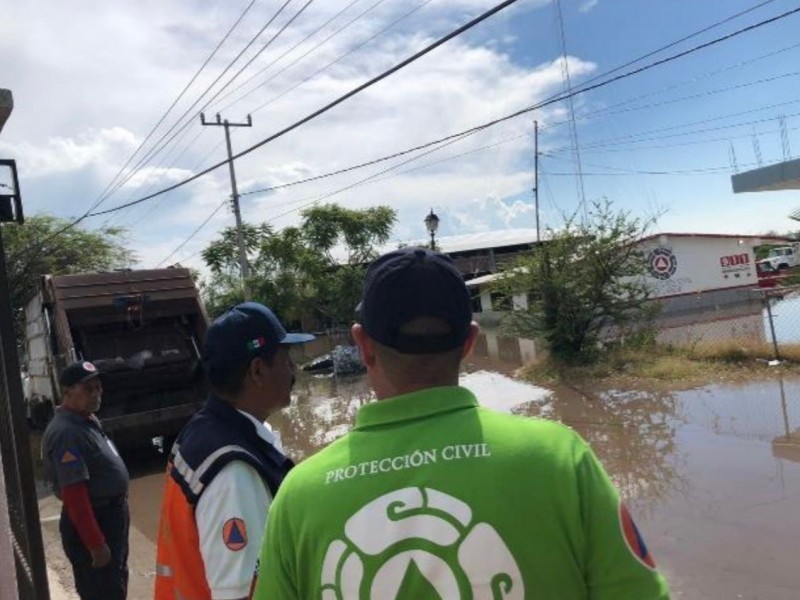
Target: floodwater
[(712, 475)]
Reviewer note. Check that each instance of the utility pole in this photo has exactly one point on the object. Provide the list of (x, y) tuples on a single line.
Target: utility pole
[(536, 175), (243, 266)]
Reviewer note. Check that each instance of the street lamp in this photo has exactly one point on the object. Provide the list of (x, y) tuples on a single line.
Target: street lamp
[(432, 223)]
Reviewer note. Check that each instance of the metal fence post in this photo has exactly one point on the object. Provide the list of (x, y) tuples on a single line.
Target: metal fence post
[(772, 327)]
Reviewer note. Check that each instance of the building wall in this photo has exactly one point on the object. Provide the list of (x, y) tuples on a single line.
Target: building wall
[(685, 265)]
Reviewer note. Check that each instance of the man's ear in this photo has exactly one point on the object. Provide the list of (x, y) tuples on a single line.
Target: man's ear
[(474, 330), (366, 347), (257, 371)]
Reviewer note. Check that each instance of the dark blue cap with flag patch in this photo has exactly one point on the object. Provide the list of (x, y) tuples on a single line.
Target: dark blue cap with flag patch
[(244, 332)]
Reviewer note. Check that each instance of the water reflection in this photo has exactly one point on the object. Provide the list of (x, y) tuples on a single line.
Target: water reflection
[(633, 433), (787, 446), (501, 353), (323, 409)]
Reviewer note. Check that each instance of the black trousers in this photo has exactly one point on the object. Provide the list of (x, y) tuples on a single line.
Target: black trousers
[(109, 582)]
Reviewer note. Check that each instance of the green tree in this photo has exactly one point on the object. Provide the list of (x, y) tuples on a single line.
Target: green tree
[(304, 273), (586, 279), (32, 251)]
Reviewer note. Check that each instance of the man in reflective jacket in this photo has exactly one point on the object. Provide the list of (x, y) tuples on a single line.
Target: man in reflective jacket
[(226, 465)]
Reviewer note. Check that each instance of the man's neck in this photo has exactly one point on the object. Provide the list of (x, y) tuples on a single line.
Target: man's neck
[(71, 409), (251, 408), (388, 390)]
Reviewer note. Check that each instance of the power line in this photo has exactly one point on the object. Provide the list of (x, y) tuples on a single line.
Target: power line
[(538, 106), (335, 33), (622, 170), (635, 138), (573, 126), (372, 162), (161, 200), (194, 233), (156, 149), (336, 60), (581, 90), (609, 110), (358, 89), (108, 192), (551, 125), (453, 139), (104, 195), (160, 145), (402, 153), (295, 47)]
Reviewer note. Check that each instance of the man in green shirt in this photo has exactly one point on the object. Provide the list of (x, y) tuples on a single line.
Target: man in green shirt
[(431, 496)]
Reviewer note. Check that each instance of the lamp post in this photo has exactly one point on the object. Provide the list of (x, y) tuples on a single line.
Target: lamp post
[(432, 224)]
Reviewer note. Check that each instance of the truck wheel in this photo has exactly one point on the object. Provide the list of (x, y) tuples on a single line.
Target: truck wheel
[(41, 414), (783, 266), (167, 442)]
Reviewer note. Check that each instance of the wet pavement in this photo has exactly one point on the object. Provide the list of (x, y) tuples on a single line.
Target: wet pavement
[(712, 475)]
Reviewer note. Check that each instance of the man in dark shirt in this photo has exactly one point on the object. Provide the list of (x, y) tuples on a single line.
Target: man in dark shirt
[(91, 480)]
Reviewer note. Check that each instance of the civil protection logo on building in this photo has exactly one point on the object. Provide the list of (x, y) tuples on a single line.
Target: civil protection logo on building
[(419, 539), (662, 263)]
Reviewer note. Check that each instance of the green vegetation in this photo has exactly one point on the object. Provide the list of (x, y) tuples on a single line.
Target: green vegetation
[(656, 363), (584, 284), (31, 253), (310, 273)]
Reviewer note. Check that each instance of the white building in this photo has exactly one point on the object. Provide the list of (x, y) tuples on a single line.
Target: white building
[(686, 271)]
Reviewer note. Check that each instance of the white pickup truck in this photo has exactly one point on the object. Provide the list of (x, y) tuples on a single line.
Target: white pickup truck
[(781, 257)]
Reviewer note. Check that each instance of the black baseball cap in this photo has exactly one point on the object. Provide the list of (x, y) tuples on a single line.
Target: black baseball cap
[(242, 333), (78, 372), (409, 283)]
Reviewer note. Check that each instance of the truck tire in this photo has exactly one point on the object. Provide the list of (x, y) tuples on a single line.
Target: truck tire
[(783, 266), (167, 442), (41, 414)]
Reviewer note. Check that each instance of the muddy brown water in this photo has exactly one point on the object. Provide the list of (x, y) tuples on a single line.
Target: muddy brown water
[(712, 474)]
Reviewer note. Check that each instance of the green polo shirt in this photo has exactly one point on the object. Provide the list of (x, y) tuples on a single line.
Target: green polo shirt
[(432, 497)]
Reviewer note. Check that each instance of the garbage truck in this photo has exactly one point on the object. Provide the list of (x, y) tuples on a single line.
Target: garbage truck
[(143, 330)]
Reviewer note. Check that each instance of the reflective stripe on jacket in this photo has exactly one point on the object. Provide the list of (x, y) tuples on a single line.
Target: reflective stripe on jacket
[(216, 435)]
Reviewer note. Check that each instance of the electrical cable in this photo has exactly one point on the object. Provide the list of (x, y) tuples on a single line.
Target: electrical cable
[(219, 45), (581, 89), (264, 69), (194, 233), (160, 145), (358, 89)]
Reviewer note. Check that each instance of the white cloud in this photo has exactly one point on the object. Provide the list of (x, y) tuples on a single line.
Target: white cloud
[(63, 154), (89, 82), (588, 5)]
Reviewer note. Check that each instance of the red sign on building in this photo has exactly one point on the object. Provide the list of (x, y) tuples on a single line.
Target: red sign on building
[(734, 260)]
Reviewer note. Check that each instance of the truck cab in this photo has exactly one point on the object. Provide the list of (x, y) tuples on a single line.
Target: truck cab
[(781, 257)]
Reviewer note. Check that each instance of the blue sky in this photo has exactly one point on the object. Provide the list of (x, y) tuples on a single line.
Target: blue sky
[(90, 80)]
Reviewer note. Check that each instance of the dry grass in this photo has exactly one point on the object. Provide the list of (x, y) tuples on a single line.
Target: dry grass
[(687, 367)]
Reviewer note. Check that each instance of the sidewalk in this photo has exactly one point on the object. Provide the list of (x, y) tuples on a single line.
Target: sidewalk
[(57, 590)]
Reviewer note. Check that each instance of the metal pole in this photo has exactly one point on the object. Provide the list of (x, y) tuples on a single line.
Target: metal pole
[(772, 327), (536, 175), (33, 568), (243, 265)]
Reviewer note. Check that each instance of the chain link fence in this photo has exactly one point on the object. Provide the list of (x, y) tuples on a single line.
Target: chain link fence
[(760, 323)]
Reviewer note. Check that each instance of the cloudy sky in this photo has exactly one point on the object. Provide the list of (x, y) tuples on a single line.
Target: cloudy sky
[(91, 79)]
